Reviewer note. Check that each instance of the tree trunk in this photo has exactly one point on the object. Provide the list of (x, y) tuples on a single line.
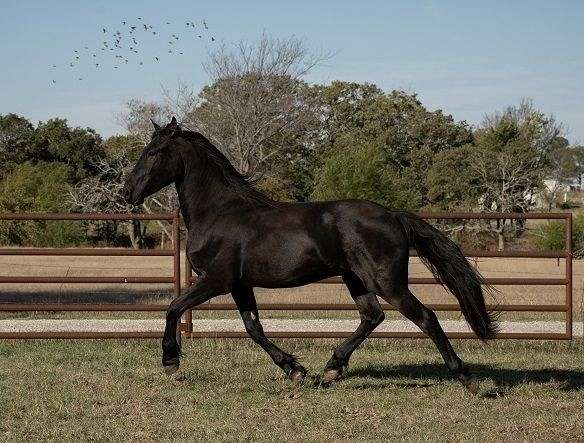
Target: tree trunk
[(136, 234), (500, 236), (501, 239)]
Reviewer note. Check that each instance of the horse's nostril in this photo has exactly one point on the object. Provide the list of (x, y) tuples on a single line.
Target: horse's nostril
[(125, 193)]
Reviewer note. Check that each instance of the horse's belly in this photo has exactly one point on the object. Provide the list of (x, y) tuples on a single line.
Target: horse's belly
[(294, 265)]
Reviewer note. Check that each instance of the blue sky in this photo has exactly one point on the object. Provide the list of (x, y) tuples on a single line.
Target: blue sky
[(467, 58)]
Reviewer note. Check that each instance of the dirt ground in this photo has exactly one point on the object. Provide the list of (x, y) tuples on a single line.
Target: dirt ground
[(317, 293)]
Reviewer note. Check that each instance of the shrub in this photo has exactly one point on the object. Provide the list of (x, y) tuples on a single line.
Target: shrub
[(551, 236), (38, 188)]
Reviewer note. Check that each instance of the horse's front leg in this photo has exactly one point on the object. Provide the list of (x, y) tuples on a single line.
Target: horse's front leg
[(201, 291)]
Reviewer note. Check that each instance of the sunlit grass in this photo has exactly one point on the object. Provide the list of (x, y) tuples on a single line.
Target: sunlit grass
[(230, 390)]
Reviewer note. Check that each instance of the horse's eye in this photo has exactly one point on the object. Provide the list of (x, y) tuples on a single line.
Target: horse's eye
[(152, 153)]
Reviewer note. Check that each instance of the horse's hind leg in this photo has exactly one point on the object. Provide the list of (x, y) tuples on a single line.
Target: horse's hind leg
[(246, 304), (371, 316), (407, 304)]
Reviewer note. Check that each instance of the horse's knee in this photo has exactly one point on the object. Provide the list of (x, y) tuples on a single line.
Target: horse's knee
[(373, 319), (252, 325), (429, 320), (378, 319)]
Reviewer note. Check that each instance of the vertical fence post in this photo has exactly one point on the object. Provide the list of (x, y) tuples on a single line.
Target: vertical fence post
[(176, 248), (188, 275), (568, 228)]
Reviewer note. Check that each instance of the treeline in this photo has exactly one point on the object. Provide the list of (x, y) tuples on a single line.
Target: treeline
[(300, 141)]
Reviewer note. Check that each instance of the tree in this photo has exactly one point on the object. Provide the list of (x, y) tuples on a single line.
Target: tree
[(563, 168), (578, 154), (257, 100), (408, 134), (517, 146), (362, 173), (137, 115), (79, 148), (452, 182), (101, 191), (512, 152), (38, 187), (16, 140)]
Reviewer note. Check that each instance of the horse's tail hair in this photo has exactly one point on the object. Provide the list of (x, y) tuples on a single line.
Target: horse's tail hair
[(448, 264)]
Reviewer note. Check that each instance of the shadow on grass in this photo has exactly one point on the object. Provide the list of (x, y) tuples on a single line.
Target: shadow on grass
[(93, 295), (428, 374)]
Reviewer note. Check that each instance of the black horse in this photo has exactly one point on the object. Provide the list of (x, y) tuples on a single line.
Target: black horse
[(238, 239)]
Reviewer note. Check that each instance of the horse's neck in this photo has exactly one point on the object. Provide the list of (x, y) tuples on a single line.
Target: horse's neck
[(201, 199)]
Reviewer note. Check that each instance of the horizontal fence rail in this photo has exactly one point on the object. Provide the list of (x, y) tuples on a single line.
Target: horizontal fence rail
[(175, 280), (187, 325)]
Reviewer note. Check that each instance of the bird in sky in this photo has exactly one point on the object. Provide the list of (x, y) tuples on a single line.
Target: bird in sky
[(123, 53)]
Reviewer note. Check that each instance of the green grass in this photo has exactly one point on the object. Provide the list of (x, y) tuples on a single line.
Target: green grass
[(230, 390)]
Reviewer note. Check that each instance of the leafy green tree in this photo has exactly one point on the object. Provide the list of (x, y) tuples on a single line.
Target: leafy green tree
[(128, 146), (38, 187), (363, 173), (79, 148), (16, 141), (452, 183), (408, 134)]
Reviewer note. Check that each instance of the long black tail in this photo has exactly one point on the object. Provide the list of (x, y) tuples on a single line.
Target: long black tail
[(444, 258)]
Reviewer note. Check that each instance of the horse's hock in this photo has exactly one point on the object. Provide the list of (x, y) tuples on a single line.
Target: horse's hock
[(314, 328)]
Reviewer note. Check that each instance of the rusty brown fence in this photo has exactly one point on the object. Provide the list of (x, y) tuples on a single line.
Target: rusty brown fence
[(187, 325), (175, 280)]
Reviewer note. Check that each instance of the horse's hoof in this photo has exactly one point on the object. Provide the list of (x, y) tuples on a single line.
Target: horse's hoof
[(331, 375), (171, 368), (472, 385), (297, 375)]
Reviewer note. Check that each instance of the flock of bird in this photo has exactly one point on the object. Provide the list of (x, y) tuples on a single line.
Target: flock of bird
[(129, 45)]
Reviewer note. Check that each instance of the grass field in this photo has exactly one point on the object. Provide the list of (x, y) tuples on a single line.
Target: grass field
[(230, 390)]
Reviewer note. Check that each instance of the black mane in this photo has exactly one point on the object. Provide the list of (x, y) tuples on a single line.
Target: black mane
[(236, 181)]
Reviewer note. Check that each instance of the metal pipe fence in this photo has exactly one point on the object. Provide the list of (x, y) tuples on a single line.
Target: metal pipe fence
[(186, 326), (174, 218)]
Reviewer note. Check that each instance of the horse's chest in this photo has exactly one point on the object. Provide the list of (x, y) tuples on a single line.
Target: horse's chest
[(207, 252)]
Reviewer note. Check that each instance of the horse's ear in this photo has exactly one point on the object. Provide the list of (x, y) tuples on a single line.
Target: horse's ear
[(156, 126), (173, 121)]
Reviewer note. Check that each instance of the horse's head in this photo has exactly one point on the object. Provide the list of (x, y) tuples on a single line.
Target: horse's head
[(159, 164)]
